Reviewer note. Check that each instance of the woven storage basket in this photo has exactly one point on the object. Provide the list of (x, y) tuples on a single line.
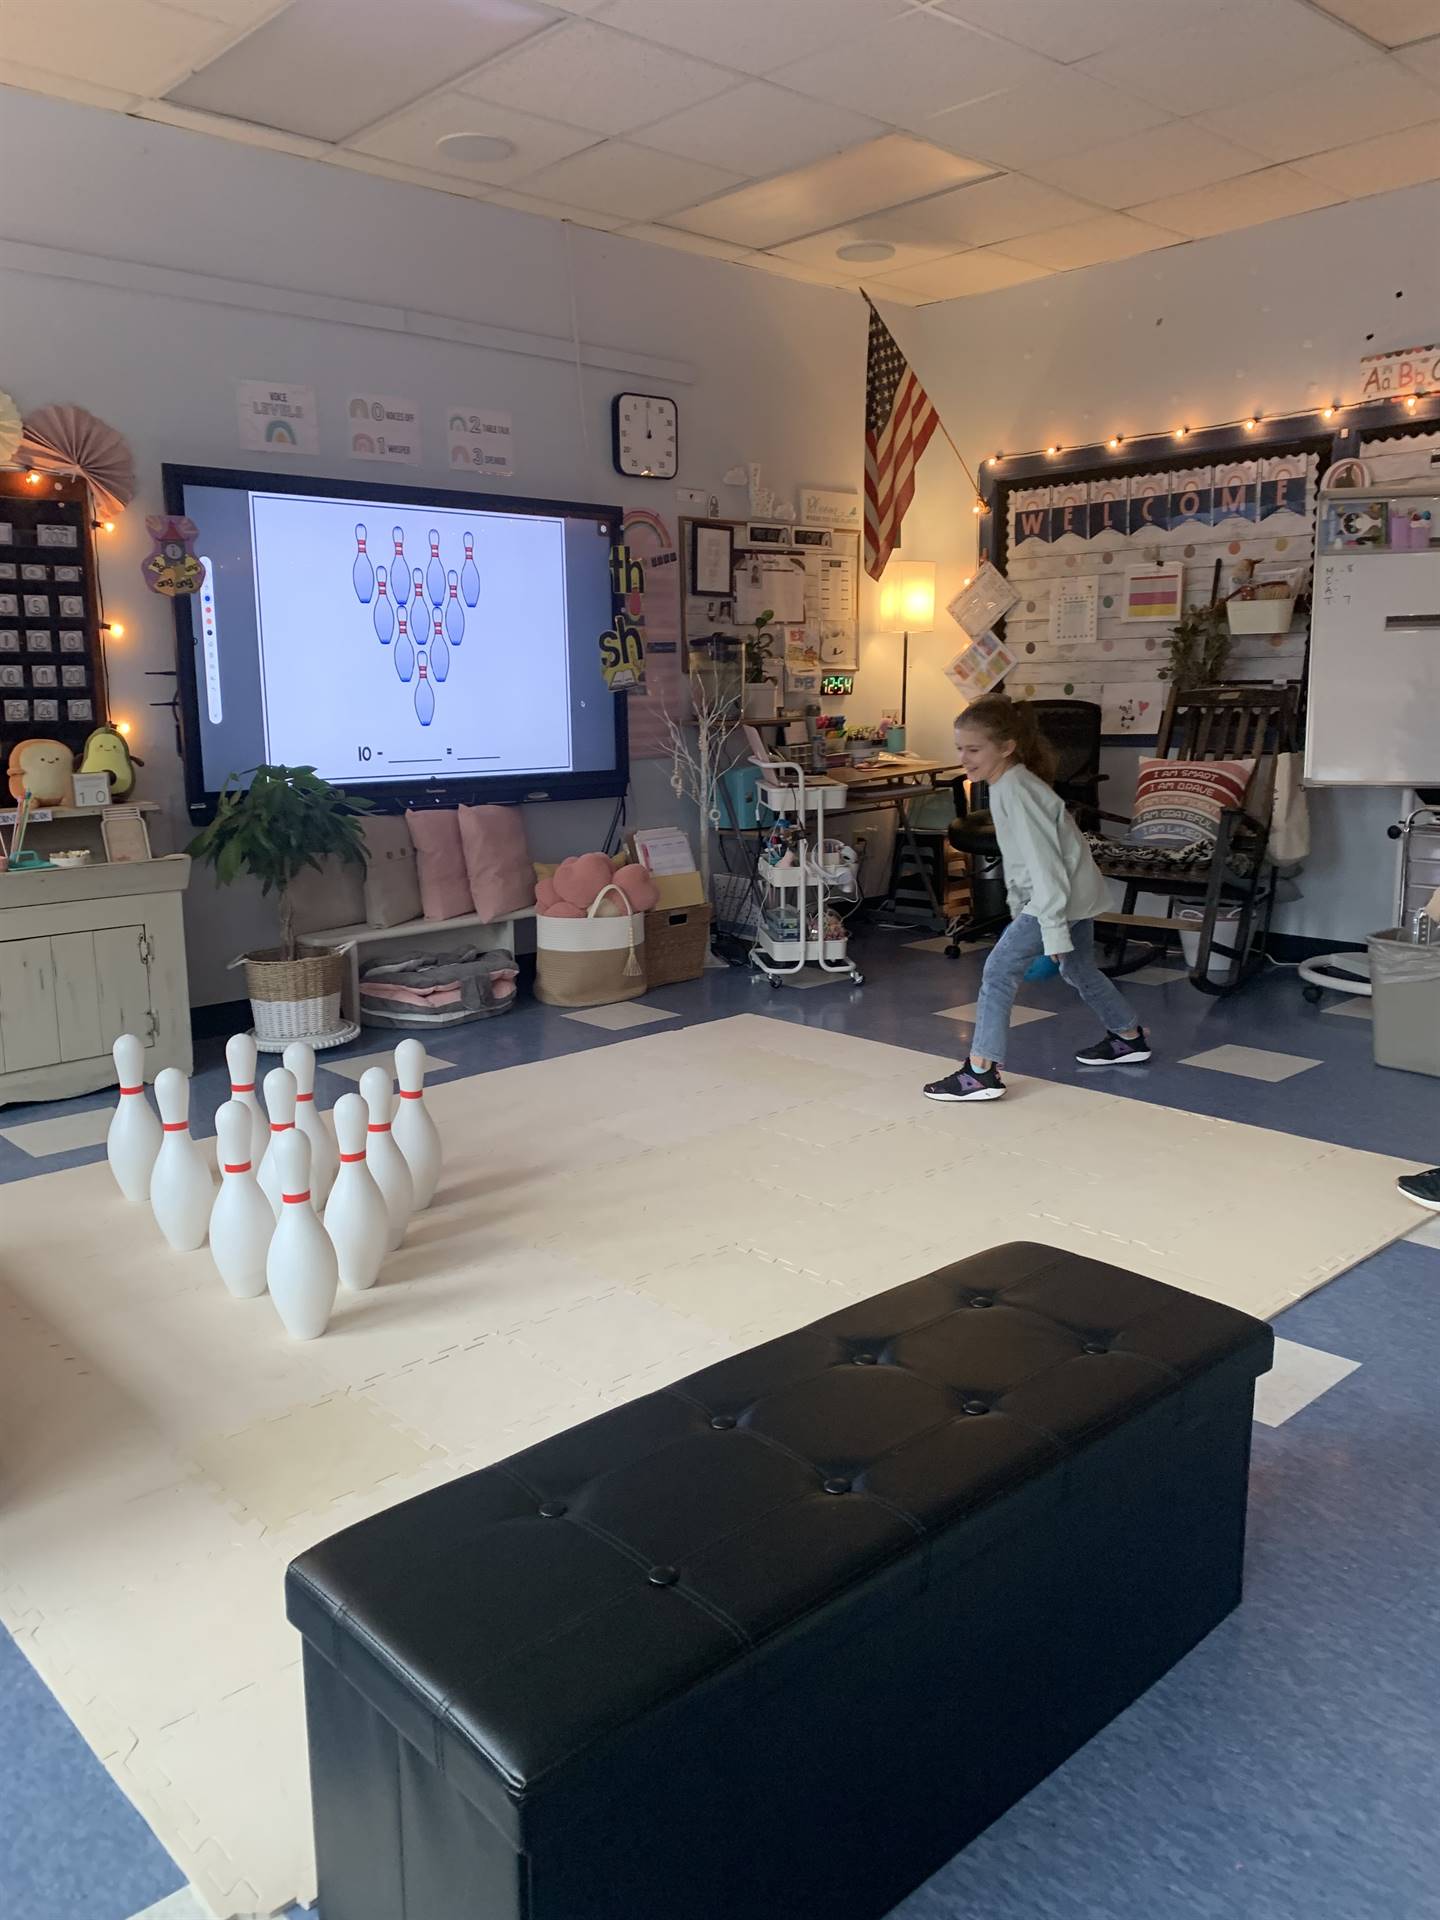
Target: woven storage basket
[(676, 942), (294, 999)]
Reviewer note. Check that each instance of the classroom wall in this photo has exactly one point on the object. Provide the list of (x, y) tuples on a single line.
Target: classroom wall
[(1271, 320), (176, 265)]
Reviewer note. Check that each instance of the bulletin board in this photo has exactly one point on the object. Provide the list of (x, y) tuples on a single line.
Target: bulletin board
[(809, 577), (52, 665), (1105, 557)]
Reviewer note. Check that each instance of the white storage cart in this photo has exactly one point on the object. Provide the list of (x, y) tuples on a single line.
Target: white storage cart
[(795, 895)]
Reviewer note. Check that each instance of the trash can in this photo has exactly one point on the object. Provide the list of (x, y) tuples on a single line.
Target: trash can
[(1405, 984)]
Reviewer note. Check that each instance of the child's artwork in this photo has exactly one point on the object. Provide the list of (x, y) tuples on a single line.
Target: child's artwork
[(980, 604), (1154, 593), (1074, 604), (1133, 707)]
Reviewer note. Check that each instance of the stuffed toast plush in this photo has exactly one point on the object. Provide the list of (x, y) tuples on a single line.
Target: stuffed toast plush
[(45, 770)]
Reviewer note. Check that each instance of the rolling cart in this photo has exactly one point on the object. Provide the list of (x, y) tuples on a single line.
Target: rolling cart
[(795, 890)]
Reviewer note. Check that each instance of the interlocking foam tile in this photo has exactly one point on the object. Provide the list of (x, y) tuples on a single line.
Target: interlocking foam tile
[(606, 1222), (300, 1462)]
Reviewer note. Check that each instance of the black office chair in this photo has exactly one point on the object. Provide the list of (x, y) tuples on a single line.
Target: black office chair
[(1072, 727)]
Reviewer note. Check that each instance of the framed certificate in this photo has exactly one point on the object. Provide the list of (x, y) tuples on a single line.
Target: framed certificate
[(712, 559)]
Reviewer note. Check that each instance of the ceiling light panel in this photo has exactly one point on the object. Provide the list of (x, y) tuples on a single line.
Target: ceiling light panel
[(327, 68), (882, 173)]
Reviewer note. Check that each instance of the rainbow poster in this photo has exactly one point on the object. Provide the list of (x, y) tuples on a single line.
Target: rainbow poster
[(275, 418)]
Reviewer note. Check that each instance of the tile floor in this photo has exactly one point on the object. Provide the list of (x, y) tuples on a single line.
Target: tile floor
[(1290, 1767)]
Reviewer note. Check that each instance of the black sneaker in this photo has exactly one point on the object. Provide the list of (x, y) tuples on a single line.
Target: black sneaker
[(967, 1083), (1422, 1188), (1113, 1051)]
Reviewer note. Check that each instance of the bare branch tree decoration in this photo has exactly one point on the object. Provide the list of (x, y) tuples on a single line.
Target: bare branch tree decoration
[(697, 756)]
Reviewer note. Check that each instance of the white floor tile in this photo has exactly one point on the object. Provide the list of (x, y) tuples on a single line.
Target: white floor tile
[(1153, 977), (1019, 1016), (1300, 1375), (1251, 1063), (184, 1905), (354, 1064), (62, 1134), (1427, 1234), (617, 1018), (1355, 1006)]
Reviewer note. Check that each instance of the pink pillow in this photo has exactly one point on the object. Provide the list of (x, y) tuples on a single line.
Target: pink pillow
[(500, 876), (580, 879), (440, 858), (638, 886)]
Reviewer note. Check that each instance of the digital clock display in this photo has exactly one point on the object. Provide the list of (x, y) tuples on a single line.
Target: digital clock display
[(833, 684)]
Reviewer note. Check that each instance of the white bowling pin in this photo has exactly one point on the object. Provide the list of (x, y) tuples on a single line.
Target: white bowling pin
[(240, 1058), (356, 1216), (301, 1269), (241, 1222), (181, 1189), (383, 1157), (280, 1105), (299, 1057), (134, 1136), (416, 1134)]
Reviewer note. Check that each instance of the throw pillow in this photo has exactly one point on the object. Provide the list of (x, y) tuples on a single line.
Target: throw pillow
[(440, 860), (334, 897), (392, 886), (497, 860), (1179, 802)]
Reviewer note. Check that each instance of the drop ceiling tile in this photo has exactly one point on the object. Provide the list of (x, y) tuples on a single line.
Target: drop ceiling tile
[(1392, 22), (591, 77), (555, 210), (911, 68), (1246, 202), (820, 250), (411, 136), (1111, 236), (989, 211), (220, 126), (1423, 59), (1171, 159), (793, 270), (1226, 53), (1376, 166), (882, 173), (755, 36), (231, 13), (681, 242), (618, 178), (138, 48), (327, 68), (1372, 97), (962, 274), (758, 129), (1063, 30), (1057, 114), (370, 163)]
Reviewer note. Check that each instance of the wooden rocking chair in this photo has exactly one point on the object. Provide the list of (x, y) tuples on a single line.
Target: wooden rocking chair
[(1235, 722)]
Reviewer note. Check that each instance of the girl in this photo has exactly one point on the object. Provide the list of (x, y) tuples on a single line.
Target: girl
[(1054, 889)]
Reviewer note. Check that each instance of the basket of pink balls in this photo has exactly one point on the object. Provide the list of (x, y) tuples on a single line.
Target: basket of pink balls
[(590, 932)]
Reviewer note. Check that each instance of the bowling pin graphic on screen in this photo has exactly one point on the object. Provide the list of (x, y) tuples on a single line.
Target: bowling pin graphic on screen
[(363, 571), (399, 569), (419, 621), (454, 612), (435, 572), (439, 652), (382, 613), (404, 650), (470, 573), (424, 694)]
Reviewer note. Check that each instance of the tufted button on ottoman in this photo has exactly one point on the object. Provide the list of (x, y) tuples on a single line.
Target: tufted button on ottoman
[(720, 1690)]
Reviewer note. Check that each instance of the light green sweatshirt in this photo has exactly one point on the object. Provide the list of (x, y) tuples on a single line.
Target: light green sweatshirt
[(1050, 872)]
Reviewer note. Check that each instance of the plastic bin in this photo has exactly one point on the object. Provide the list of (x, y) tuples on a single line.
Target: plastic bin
[(1405, 1001)]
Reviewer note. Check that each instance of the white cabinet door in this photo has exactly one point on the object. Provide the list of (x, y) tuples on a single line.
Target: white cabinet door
[(121, 956), (29, 1029), (77, 995)]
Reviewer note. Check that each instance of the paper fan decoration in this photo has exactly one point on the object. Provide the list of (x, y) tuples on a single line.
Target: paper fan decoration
[(9, 429), (70, 440)]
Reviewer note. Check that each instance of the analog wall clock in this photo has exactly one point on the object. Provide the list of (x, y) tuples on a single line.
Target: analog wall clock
[(645, 436)]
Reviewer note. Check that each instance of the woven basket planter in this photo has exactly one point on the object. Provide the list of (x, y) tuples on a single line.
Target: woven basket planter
[(294, 999)]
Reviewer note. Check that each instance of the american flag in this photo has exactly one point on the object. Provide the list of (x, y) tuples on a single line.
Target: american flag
[(899, 421)]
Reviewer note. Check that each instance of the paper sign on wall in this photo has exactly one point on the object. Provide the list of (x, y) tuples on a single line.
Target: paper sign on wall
[(1131, 707), (980, 666), (383, 428), (822, 507), (276, 419), (481, 442)]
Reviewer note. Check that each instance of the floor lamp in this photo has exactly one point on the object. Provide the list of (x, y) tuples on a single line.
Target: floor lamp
[(907, 605)]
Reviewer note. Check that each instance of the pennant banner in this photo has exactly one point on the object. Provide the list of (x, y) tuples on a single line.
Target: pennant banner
[(1129, 509)]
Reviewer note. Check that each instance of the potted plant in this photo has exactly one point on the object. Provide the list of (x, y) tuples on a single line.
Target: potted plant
[(762, 688), (286, 820), (1199, 648)]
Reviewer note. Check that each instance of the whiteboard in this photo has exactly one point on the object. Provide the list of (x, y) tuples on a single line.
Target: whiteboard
[(1373, 712)]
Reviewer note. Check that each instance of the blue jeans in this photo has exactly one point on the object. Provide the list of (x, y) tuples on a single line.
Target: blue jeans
[(1012, 953)]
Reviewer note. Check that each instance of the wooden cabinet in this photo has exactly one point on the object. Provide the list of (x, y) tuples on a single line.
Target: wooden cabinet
[(86, 955)]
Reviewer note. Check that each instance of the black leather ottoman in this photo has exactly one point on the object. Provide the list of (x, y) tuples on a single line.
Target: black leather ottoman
[(777, 1642)]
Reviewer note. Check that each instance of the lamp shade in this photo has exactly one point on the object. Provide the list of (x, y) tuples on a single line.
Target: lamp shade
[(907, 597)]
